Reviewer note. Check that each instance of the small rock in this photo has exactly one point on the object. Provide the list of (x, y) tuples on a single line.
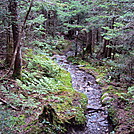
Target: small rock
[(89, 83), (105, 94), (89, 89), (93, 121), (104, 124), (100, 119), (81, 65), (105, 116), (84, 78), (90, 107), (97, 80), (106, 100), (65, 61), (98, 129), (1, 103)]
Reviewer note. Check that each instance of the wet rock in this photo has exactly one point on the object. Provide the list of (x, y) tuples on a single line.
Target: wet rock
[(90, 107), (93, 121), (98, 80), (106, 100), (105, 95), (101, 119), (81, 66), (98, 128), (89, 89), (89, 83), (65, 61), (105, 116), (104, 124), (1, 103)]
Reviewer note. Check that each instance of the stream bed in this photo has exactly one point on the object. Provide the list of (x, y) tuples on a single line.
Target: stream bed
[(97, 116)]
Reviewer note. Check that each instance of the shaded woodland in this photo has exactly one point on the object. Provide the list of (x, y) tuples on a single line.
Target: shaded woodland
[(94, 34)]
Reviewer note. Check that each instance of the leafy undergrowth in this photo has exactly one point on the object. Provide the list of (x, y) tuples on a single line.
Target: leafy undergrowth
[(44, 85), (117, 96)]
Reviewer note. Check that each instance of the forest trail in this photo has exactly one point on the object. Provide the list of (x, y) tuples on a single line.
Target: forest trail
[(97, 116)]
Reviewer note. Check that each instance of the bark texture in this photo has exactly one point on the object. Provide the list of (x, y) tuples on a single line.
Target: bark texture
[(15, 30)]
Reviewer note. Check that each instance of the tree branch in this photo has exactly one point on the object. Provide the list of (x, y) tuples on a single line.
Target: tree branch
[(13, 107)]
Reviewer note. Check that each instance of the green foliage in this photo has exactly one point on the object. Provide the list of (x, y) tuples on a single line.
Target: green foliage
[(5, 122), (38, 20), (68, 11), (76, 60), (46, 66), (45, 80), (131, 91), (9, 122)]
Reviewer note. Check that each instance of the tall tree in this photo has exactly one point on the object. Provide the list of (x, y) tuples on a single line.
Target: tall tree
[(15, 30)]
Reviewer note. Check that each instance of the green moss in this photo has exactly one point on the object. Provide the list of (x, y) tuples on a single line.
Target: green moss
[(45, 81), (112, 114), (65, 78), (128, 108)]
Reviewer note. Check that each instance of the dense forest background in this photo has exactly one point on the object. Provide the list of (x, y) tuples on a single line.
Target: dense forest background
[(98, 32)]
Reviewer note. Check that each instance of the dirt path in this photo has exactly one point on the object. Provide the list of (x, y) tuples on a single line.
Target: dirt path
[(97, 122)]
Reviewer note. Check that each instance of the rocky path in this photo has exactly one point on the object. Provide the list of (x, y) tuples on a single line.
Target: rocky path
[(97, 122)]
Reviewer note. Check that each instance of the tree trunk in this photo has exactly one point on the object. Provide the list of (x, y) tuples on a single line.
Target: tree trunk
[(18, 64), (109, 53), (93, 40), (51, 22), (105, 49), (97, 37), (15, 30), (9, 49), (76, 43), (89, 43)]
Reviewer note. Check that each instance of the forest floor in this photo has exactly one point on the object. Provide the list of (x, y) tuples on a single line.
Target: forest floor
[(43, 101), (16, 100)]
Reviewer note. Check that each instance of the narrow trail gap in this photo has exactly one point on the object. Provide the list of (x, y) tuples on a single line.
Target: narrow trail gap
[(97, 116)]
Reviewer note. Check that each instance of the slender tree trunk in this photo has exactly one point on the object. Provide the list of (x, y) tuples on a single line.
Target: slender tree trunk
[(113, 56), (76, 47), (9, 43), (54, 18), (113, 51), (97, 37), (76, 43), (93, 40), (18, 64), (89, 43), (15, 30), (109, 53), (9, 48), (104, 53)]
